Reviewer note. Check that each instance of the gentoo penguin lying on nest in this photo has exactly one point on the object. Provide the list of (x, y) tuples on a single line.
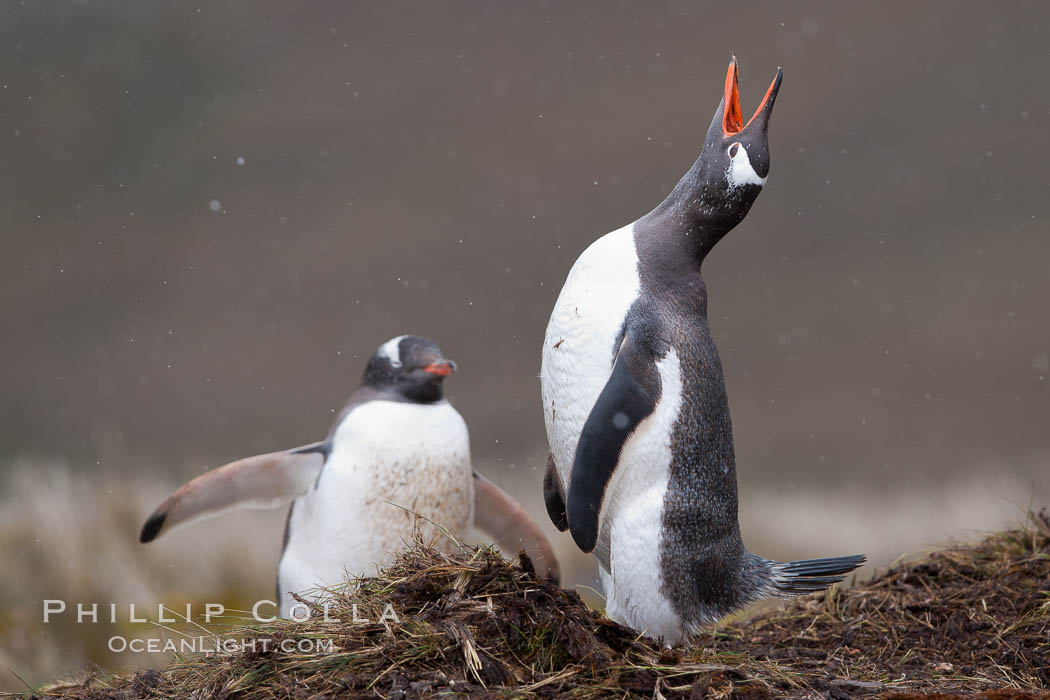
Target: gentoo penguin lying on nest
[(397, 449), (641, 468)]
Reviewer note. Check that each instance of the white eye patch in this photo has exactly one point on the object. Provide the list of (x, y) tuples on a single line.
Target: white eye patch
[(391, 350), (740, 171)]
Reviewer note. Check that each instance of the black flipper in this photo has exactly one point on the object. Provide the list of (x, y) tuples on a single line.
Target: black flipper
[(553, 495), (628, 398)]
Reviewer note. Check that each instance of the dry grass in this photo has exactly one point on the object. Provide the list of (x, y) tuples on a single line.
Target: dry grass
[(72, 535), (968, 619)]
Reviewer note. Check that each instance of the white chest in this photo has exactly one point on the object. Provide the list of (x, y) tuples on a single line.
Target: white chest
[(578, 348), (633, 513), (387, 459), (578, 352)]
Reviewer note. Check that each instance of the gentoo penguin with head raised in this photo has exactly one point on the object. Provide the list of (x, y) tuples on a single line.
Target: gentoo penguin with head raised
[(398, 449), (641, 468)]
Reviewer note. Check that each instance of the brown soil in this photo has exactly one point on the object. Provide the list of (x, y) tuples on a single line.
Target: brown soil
[(964, 621)]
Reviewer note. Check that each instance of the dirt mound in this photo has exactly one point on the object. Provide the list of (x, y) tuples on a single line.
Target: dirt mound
[(969, 619)]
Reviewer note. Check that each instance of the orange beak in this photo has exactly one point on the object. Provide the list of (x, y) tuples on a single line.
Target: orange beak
[(441, 368), (732, 117)]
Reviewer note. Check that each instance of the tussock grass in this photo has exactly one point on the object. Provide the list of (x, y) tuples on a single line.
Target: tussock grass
[(72, 535), (966, 619)]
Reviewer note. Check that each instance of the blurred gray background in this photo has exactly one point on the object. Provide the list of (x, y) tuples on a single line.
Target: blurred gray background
[(435, 169), (211, 217)]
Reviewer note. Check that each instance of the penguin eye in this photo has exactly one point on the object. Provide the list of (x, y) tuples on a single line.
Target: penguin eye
[(734, 149), (396, 364)]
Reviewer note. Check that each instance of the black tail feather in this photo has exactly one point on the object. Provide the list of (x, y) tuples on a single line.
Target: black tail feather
[(830, 565), (811, 575)]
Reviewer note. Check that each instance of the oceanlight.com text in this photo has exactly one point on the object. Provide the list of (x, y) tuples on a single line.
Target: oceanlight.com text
[(217, 645)]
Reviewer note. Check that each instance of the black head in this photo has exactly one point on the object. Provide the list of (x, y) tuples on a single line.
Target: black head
[(718, 191), (735, 159), (411, 367)]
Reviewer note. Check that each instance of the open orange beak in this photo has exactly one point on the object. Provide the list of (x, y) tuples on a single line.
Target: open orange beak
[(441, 368), (732, 117)]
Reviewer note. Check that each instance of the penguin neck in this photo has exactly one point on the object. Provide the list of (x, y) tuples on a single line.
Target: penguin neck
[(692, 219), (423, 393)]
